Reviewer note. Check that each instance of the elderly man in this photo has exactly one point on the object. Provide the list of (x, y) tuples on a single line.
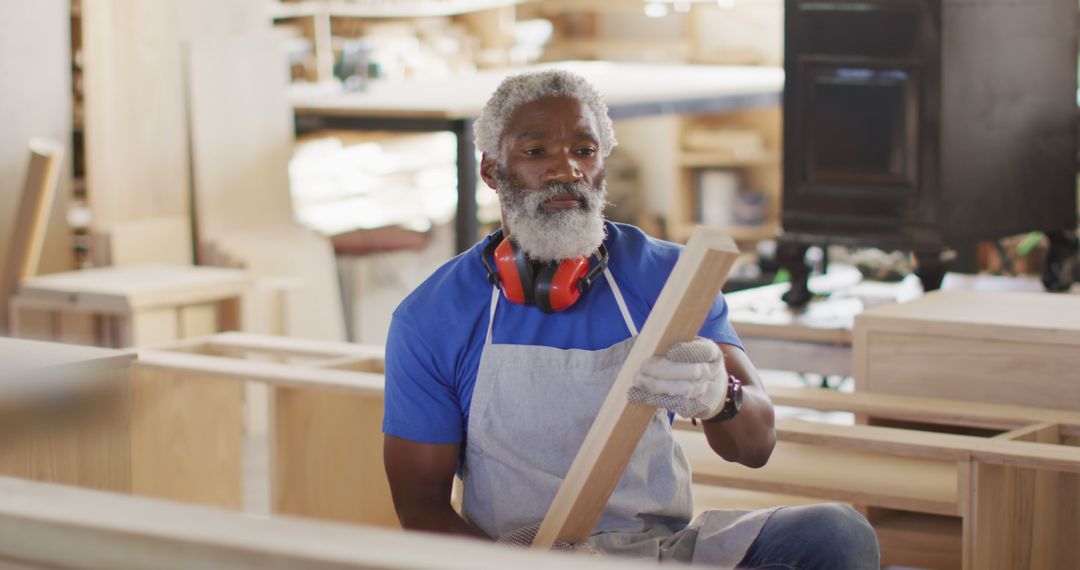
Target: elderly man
[(498, 363)]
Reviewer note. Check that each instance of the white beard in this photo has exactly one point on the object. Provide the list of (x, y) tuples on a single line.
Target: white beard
[(545, 235)]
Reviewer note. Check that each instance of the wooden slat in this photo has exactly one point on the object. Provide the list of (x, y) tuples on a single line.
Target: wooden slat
[(863, 477), (35, 206), (974, 414), (273, 373), (679, 311)]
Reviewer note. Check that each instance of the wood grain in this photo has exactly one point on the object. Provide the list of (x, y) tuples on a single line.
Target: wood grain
[(677, 315), (187, 437), (327, 459)]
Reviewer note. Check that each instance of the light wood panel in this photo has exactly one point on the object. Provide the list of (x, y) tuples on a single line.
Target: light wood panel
[(866, 478), (136, 127), (241, 133), (978, 369), (49, 526), (327, 460), (64, 414), (35, 101), (677, 315), (187, 437)]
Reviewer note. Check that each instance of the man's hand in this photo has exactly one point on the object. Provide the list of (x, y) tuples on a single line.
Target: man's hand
[(689, 380)]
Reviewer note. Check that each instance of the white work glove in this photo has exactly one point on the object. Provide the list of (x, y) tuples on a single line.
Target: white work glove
[(524, 537), (689, 380)]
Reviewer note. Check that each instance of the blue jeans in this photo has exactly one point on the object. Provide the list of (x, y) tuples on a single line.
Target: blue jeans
[(827, 537)]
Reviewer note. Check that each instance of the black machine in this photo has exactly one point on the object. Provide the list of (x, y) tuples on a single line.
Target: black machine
[(928, 126)]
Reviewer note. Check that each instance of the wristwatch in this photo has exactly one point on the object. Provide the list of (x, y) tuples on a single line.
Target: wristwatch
[(733, 402)]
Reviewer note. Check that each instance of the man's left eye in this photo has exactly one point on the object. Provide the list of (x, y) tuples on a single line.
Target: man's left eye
[(586, 151)]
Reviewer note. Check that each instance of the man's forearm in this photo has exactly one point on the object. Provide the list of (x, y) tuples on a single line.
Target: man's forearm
[(749, 437), (440, 519)]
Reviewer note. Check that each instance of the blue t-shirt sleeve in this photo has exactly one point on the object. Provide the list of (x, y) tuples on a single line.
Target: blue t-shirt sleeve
[(421, 399), (716, 325)]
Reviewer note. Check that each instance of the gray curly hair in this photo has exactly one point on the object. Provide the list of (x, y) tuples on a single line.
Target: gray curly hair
[(517, 90)]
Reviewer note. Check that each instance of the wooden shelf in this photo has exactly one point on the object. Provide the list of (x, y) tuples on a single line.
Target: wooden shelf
[(706, 159), (384, 8)]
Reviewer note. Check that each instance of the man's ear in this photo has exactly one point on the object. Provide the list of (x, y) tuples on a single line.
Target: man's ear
[(487, 171)]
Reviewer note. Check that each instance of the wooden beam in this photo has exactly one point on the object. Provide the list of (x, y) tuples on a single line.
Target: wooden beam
[(51, 527), (677, 316), (35, 206)]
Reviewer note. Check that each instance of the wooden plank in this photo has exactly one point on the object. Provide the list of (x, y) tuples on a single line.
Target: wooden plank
[(312, 307), (327, 461), (24, 358), (36, 101), (52, 526), (241, 134), (149, 241), (973, 368), (863, 477), (293, 346), (287, 375), (33, 323), (919, 540), (677, 315), (187, 437), (35, 207), (934, 410), (198, 320)]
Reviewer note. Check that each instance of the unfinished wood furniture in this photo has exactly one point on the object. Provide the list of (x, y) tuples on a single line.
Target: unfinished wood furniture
[(31, 222), (630, 90), (129, 306), (682, 306), (325, 425), (241, 141), (1004, 348), (45, 526), (64, 414), (1006, 494), (818, 338)]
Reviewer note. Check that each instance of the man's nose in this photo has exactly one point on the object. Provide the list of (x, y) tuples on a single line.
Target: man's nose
[(564, 168)]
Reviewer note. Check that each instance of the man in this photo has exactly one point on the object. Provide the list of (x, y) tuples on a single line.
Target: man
[(496, 366)]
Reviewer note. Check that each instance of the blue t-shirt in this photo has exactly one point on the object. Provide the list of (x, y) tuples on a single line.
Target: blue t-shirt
[(438, 332)]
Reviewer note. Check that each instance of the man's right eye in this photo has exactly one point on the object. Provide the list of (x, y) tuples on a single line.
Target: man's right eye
[(533, 151)]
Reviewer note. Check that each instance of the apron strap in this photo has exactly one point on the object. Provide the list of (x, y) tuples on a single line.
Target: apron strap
[(491, 315), (614, 289), (622, 304)]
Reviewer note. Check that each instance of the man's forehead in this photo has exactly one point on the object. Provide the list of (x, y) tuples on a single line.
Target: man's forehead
[(538, 117)]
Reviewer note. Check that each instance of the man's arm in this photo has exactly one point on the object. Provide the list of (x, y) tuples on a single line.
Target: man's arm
[(749, 437), (421, 479)]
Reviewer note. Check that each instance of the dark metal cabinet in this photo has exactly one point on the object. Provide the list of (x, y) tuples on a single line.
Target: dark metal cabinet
[(926, 125)]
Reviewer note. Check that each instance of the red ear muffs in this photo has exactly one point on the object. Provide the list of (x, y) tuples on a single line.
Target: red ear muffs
[(552, 287)]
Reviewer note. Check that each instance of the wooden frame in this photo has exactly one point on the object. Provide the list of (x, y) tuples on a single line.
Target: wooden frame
[(678, 314), (39, 192), (325, 416), (1006, 496)]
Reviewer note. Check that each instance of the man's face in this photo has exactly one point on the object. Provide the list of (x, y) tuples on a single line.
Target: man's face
[(551, 180)]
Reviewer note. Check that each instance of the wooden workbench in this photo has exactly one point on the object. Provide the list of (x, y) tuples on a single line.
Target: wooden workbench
[(818, 338), (630, 90), (129, 306)]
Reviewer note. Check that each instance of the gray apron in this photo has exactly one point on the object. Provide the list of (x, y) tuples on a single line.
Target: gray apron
[(531, 408)]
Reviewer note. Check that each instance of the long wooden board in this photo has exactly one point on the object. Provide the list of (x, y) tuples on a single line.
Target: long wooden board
[(677, 316), (46, 526)]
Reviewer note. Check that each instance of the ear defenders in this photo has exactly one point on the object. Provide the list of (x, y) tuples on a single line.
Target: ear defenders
[(550, 286)]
